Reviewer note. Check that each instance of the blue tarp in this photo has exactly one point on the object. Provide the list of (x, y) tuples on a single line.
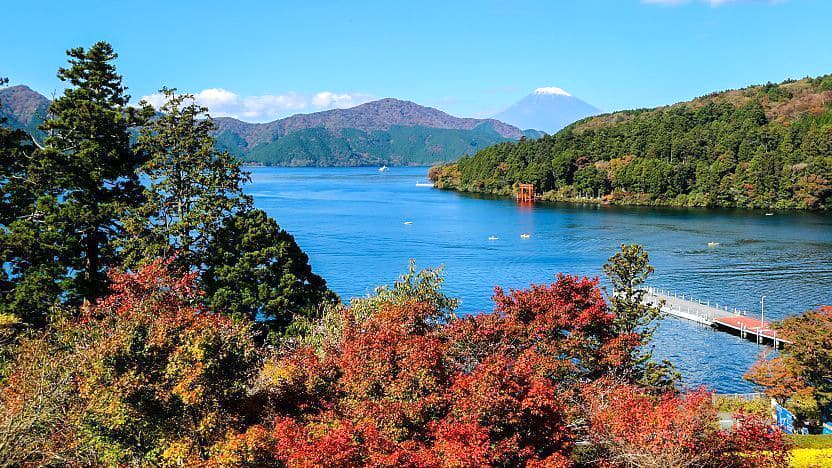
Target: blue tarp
[(827, 427), (785, 419)]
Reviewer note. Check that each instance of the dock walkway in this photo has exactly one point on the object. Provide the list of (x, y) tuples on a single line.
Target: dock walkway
[(733, 320)]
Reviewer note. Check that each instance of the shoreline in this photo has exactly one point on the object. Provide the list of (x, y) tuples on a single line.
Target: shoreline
[(635, 204)]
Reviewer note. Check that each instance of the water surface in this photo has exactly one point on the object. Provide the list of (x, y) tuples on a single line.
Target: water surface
[(351, 223)]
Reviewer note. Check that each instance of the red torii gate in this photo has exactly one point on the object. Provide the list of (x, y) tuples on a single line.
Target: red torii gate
[(525, 193)]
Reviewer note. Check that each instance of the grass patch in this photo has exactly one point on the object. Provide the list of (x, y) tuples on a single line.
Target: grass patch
[(817, 441), (811, 451), (811, 458), (733, 405)]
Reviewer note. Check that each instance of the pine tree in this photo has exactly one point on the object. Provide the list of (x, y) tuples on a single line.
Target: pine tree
[(192, 187), (628, 271), (14, 150), (78, 187), (257, 270), (196, 211)]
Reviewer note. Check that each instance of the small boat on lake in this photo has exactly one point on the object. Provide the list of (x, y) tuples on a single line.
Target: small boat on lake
[(424, 184), (525, 236), (769, 214), (408, 223), (493, 238), (383, 169), (713, 244)]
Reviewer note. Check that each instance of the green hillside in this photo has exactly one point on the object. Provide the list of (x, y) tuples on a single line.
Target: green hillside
[(766, 146), (399, 145)]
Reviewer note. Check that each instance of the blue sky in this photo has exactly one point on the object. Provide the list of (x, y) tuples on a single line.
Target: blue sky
[(261, 60)]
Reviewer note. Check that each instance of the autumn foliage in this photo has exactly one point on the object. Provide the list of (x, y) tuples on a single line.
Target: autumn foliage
[(145, 371), (151, 376), (410, 386), (631, 428), (799, 376)]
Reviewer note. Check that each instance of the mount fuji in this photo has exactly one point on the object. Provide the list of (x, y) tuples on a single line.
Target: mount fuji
[(548, 109)]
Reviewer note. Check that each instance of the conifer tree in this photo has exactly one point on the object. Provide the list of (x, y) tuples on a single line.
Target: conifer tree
[(76, 189), (13, 154), (192, 187), (257, 270), (95, 166), (196, 211), (628, 271)]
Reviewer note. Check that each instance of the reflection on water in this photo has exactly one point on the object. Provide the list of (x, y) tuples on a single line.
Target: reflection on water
[(351, 222)]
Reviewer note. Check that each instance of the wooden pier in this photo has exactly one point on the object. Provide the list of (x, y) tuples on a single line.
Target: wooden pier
[(732, 320)]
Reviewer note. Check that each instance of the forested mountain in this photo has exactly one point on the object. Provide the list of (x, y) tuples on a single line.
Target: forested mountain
[(23, 108), (767, 146), (387, 131)]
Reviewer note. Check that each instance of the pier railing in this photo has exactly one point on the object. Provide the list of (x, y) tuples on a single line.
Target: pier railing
[(705, 309), (713, 314)]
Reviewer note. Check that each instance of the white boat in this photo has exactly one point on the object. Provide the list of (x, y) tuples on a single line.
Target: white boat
[(493, 238), (769, 214), (408, 223), (382, 169), (423, 184), (525, 236), (713, 244)]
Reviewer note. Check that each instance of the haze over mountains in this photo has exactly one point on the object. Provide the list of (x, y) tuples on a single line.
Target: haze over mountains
[(548, 109), (387, 131)]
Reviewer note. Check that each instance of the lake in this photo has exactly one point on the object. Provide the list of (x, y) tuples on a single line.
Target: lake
[(351, 223)]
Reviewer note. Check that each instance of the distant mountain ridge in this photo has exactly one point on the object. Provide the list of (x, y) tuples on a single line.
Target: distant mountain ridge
[(548, 109), (387, 131), (375, 115), (23, 108)]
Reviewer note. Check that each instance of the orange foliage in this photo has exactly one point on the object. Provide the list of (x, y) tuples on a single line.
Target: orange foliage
[(509, 388), (637, 429)]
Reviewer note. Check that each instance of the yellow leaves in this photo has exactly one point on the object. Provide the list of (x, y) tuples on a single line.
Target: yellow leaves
[(8, 321), (278, 373), (811, 457), (179, 452)]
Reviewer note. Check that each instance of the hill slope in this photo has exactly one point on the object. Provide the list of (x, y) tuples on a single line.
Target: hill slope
[(23, 108), (764, 146), (387, 131), (548, 109)]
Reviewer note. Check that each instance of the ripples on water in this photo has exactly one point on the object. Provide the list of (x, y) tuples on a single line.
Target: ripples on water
[(350, 222)]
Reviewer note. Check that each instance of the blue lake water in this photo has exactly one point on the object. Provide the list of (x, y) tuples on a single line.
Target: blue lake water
[(351, 223)]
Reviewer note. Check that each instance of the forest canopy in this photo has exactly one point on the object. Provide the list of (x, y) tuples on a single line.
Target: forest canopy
[(766, 146)]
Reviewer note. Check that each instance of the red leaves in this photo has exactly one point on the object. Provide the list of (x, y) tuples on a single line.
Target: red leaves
[(521, 409), (476, 391), (151, 352), (461, 443), (569, 303), (636, 428), (394, 386), (799, 376)]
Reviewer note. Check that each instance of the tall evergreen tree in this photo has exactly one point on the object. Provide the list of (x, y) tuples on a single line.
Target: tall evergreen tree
[(192, 187), (628, 271), (13, 154), (79, 186), (196, 210)]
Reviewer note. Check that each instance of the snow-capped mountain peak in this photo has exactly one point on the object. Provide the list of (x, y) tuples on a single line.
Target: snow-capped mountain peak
[(552, 90), (548, 109)]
